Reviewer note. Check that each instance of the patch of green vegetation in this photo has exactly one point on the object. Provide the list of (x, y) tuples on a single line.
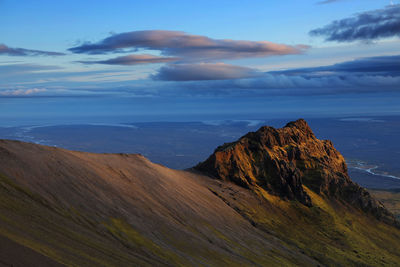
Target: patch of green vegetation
[(270, 257), (229, 252), (199, 253), (132, 239)]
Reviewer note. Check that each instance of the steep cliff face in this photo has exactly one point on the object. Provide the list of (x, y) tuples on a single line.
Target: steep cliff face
[(285, 161)]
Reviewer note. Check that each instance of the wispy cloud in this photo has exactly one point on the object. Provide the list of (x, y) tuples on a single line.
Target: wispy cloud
[(327, 2), (8, 70), (133, 60), (188, 47), (9, 51), (367, 26), (22, 92), (203, 71)]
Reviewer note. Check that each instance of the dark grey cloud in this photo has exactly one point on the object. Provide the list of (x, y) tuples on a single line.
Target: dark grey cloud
[(383, 65), (9, 51), (367, 26), (187, 46), (133, 60), (203, 71)]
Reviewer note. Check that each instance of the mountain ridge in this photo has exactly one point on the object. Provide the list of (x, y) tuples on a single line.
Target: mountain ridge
[(79, 208)]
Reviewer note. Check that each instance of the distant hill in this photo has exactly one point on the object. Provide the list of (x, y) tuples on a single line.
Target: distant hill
[(275, 197)]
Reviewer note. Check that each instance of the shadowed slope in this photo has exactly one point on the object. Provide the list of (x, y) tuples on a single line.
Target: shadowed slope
[(16, 255)]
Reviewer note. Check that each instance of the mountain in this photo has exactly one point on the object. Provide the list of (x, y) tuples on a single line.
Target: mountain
[(275, 197), (286, 162)]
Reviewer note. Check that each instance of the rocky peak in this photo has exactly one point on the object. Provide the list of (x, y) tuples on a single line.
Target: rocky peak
[(284, 161)]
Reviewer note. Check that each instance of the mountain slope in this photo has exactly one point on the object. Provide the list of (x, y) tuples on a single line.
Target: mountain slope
[(85, 209), (91, 209)]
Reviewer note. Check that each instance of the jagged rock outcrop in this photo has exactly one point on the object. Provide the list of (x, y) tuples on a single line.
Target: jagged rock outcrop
[(283, 161)]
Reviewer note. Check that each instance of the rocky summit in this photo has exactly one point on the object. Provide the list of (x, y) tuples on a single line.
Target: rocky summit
[(284, 161)]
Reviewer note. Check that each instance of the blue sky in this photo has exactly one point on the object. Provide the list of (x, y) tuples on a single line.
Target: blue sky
[(202, 52)]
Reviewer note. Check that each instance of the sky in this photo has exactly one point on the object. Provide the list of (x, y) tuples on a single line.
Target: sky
[(186, 60)]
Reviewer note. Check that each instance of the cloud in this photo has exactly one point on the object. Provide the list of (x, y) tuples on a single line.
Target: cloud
[(22, 92), (16, 69), (133, 60), (359, 76), (364, 75), (187, 46), (281, 84), (9, 51), (383, 65), (327, 2), (203, 71), (367, 26)]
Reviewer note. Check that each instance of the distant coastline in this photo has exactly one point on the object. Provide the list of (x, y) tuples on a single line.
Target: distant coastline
[(368, 168)]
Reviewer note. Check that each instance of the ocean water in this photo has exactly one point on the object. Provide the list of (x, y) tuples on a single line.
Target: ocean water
[(21, 111)]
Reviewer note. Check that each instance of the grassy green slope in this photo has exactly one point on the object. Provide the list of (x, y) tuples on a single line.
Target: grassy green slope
[(331, 232)]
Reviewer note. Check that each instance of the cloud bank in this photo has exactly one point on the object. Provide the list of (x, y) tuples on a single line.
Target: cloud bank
[(187, 46), (367, 26), (364, 75), (383, 65), (133, 60), (203, 71), (9, 51)]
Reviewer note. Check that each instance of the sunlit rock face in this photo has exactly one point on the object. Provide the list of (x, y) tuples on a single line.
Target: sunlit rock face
[(284, 161)]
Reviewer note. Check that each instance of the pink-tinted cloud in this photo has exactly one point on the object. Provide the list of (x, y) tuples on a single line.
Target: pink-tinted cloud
[(187, 46), (133, 60), (203, 71)]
